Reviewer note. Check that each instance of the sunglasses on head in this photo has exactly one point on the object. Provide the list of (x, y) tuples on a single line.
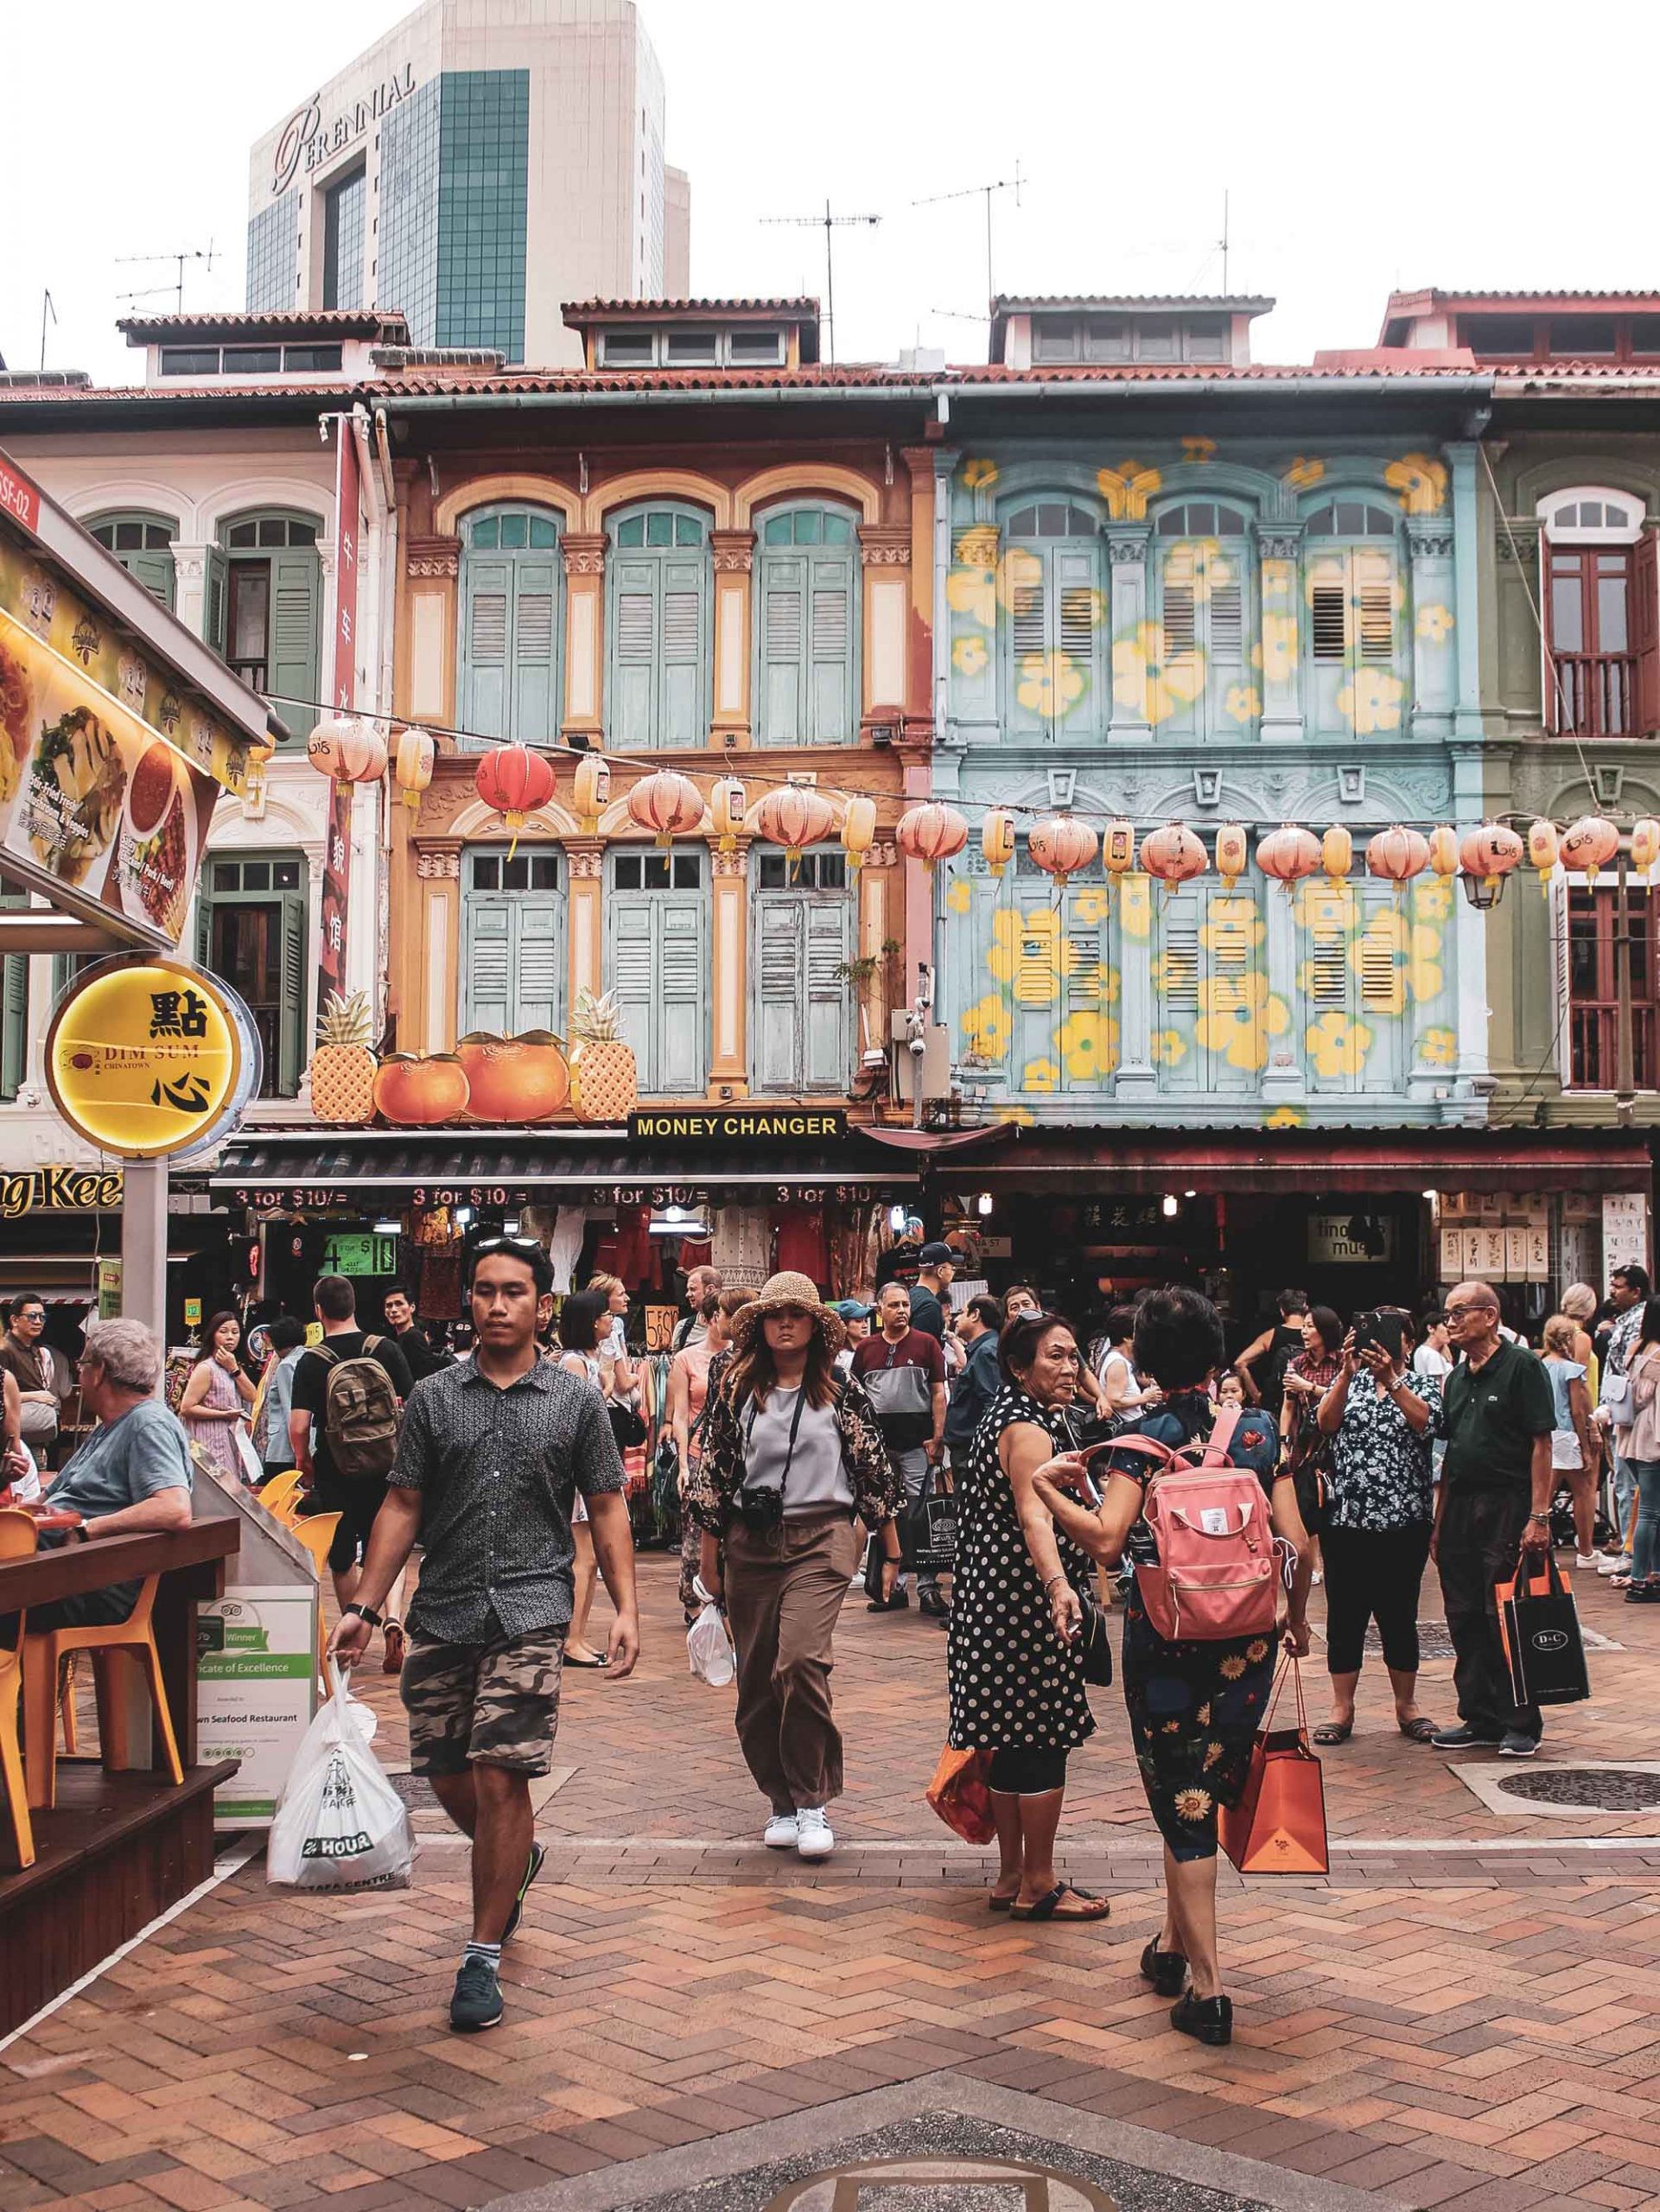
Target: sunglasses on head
[(523, 1247)]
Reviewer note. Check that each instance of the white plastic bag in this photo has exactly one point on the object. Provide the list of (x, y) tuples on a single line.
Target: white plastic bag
[(340, 1824), (709, 1649)]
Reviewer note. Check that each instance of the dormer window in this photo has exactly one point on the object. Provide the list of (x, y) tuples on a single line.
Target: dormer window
[(755, 348), (248, 360), (674, 348), (689, 349), (1130, 338), (627, 349)]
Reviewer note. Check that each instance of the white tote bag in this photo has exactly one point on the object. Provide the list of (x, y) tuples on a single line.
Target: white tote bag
[(340, 1824)]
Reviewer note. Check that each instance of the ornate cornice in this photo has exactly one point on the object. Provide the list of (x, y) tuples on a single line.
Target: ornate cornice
[(1518, 541), (1430, 538), (585, 858), (584, 552), (438, 864), (1277, 542), (882, 856), (883, 546), (734, 551), (434, 556)]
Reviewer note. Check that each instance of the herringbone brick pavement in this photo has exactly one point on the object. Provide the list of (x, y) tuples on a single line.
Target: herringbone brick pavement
[(1455, 2026)]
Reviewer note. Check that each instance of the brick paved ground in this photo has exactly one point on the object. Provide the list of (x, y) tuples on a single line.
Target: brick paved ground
[(1461, 2026)]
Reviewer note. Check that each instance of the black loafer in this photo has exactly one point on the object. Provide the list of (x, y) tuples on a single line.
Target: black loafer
[(931, 1602), (1166, 1970), (1207, 2020)]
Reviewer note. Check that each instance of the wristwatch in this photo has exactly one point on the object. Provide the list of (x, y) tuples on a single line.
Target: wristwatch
[(367, 1613)]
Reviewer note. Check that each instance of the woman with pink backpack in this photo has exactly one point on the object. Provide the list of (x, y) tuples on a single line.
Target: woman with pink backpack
[(1197, 1495)]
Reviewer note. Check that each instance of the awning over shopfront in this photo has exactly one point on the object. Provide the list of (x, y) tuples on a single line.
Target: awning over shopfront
[(283, 1170), (1268, 1162)]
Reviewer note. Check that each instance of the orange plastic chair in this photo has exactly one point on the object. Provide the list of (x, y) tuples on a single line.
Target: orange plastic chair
[(316, 1532), (18, 1539), (281, 1495), (111, 1641)]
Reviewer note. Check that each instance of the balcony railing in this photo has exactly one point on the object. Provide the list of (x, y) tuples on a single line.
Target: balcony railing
[(1596, 1047), (1595, 697)]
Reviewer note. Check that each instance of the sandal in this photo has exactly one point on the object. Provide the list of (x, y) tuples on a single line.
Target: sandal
[(1420, 1731), (397, 1643), (1334, 1732), (1046, 1907), (995, 1904), (576, 1659)]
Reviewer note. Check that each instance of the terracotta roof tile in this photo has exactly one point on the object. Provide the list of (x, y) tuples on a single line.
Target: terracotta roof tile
[(800, 304)]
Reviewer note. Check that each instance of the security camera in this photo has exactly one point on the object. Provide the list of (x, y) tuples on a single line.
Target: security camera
[(917, 1046), (322, 429)]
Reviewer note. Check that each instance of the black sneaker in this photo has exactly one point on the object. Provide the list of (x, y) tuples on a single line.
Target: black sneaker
[(896, 1603), (1207, 2020), (929, 1601), (1166, 1970), (477, 2001), (1516, 1745), (538, 1853), (1465, 1739)]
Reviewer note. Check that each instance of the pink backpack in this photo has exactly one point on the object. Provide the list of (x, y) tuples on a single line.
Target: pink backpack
[(1216, 1574)]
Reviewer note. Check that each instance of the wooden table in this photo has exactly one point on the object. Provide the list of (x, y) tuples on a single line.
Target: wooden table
[(119, 1848)]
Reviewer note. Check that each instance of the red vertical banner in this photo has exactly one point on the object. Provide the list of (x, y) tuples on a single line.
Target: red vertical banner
[(337, 858)]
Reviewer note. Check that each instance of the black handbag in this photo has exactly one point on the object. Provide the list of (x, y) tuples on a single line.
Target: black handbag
[(627, 1426), (1095, 1641), (1539, 1627)]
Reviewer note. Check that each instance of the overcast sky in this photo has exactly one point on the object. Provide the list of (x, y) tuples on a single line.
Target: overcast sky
[(1360, 147)]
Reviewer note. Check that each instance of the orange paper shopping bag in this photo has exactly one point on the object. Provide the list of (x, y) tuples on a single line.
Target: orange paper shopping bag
[(1279, 1825)]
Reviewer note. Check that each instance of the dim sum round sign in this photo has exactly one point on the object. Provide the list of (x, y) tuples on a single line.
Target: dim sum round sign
[(150, 1058)]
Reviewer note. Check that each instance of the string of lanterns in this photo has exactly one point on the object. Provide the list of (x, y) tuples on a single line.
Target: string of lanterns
[(515, 780)]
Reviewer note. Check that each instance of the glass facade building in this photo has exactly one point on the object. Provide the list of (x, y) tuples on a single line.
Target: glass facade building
[(343, 222), (484, 139), (408, 273), (274, 257)]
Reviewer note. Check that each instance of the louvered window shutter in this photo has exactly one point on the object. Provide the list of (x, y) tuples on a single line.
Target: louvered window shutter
[(485, 639), (293, 640), (13, 1012), (633, 930), (291, 1055), (1227, 625), (1328, 622), (827, 1008), (535, 597), (831, 672), (683, 995), (1328, 966), (1380, 985), (487, 994), (154, 569), (215, 596), (784, 580), (1645, 631), (779, 965), (1176, 1003), (540, 967), (1180, 626), (682, 720), (633, 652), (1375, 609), (1030, 579)]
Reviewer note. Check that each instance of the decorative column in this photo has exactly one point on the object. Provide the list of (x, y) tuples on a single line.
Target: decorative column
[(1278, 547), (438, 922), (425, 648), (584, 554), (585, 917), (886, 554), (879, 885), (1466, 714), (734, 562), (1434, 664), (1126, 613), (189, 587), (919, 665), (1137, 1077), (729, 968)]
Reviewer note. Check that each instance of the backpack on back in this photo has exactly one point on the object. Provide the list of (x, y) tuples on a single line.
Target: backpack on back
[(1216, 1573), (359, 1414)]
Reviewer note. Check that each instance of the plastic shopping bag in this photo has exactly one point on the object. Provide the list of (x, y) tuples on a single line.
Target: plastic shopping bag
[(709, 1649), (340, 1824)]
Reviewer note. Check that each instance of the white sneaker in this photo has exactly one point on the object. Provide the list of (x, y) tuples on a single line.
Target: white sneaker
[(780, 1832), (813, 1836), (1613, 1563), (1595, 1560)]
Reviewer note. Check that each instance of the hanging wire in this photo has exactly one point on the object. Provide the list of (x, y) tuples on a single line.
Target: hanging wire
[(1565, 720)]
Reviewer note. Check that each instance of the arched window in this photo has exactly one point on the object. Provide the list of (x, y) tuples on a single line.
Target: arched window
[(143, 545), (1354, 634), (1600, 598), (659, 654), (1203, 582), (264, 607), (806, 627), (1053, 620), (509, 595)]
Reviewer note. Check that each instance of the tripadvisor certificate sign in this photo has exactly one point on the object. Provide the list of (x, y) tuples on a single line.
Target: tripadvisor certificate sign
[(256, 1674), (151, 1058)]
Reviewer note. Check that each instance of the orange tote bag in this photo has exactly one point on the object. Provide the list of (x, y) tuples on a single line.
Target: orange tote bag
[(1279, 1825)]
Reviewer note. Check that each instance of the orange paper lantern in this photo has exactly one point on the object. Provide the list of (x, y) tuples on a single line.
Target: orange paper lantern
[(930, 833), (1118, 847), (592, 789), (1337, 853), (1396, 855), (1490, 851), (1543, 847), (668, 805), (997, 839), (412, 765), (347, 749), (1232, 853), (858, 830), (1288, 853), (1061, 845), (1589, 844), (515, 781), (727, 804), (795, 816), (1645, 841), (1173, 855), (1444, 850)]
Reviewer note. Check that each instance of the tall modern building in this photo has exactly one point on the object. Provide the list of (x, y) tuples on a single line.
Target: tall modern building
[(479, 142)]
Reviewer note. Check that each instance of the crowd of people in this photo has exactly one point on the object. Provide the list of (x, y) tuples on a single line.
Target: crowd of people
[(805, 1442)]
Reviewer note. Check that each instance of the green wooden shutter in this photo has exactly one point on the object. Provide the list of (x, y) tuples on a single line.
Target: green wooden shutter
[(535, 598), (633, 930), (541, 964), (834, 701), (488, 945), (1027, 630), (152, 569), (486, 635), (681, 718), (779, 967), (292, 1031), (828, 1004), (636, 589), (1074, 614), (14, 1011), (1176, 1000), (682, 994), (293, 640), (783, 640), (215, 601)]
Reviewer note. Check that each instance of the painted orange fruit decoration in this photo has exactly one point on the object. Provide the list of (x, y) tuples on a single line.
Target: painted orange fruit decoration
[(523, 1078), (418, 1091)]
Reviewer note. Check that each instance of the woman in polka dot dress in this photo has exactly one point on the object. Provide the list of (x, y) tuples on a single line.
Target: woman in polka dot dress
[(1015, 1667)]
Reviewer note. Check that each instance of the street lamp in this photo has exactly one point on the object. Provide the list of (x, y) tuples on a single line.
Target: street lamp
[(1484, 892)]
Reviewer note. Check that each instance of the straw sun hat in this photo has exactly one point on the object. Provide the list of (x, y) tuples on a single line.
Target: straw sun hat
[(787, 1289)]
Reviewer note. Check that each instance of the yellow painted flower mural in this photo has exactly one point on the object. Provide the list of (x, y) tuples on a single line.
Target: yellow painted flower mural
[(973, 592), (1040, 1076), (1244, 702), (1304, 473), (1169, 1048), (1232, 928), (1277, 654), (988, 1027), (976, 547), (1336, 1046), (1150, 681), (979, 475), (968, 656), (960, 897), (1318, 904), (1372, 701), (1199, 448), (1408, 953), (1432, 899), (1438, 1048), (1127, 490), (1201, 566), (1286, 1117), (1032, 953), (1136, 905), (1050, 685), (1237, 1015), (1434, 623), (1420, 479), (1021, 1117), (1088, 1043), (1094, 984), (1090, 905)]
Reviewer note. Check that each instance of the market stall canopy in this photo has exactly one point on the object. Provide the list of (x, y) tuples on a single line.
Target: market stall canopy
[(118, 730)]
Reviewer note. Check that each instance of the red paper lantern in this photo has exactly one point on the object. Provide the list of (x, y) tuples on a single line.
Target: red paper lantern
[(1173, 854), (1589, 844), (930, 833), (668, 805), (1490, 851), (515, 781), (795, 816), (1288, 853), (1061, 845), (1396, 855)]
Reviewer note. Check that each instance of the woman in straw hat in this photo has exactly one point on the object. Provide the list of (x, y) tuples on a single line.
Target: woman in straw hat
[(791, 1459)]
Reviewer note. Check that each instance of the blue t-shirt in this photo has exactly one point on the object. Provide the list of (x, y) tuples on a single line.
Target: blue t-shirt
[(124, 1460)]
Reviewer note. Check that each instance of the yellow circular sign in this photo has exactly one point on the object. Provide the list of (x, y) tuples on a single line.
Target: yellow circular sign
[(144, 1059)]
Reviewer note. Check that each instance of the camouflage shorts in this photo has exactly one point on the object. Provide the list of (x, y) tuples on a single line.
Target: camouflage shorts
[(498, 1702)]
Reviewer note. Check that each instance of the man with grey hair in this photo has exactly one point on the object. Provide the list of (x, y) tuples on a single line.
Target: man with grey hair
[(692, 1329), (132, 1476)]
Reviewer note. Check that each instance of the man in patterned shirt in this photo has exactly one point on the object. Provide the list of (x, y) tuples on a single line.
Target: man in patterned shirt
[(492, 1452), (1628, 1296)]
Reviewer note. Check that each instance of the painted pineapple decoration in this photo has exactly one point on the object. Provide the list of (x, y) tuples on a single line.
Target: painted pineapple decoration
[(343, 1067), (604, 1081)]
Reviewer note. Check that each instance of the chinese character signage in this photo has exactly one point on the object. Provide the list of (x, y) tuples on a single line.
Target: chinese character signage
[(151, 1058), (1624, 1231)]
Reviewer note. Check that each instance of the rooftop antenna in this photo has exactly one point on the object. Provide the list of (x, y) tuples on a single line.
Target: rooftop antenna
[(972, 191), (47, 308), (179, 259), (828, 222), (1222, 242)]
